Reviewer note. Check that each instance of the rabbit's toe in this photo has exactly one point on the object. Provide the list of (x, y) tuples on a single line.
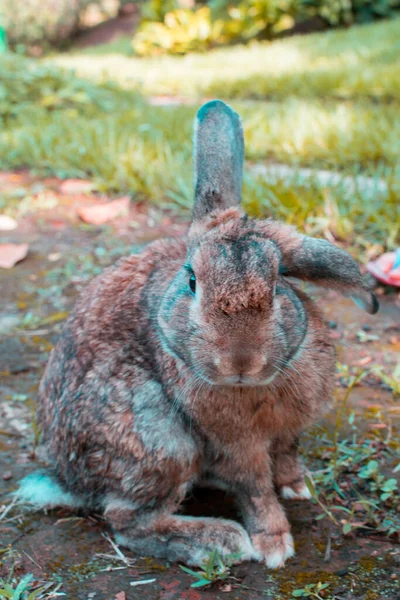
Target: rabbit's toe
[(237, 547), (274, 550), (295, 492)]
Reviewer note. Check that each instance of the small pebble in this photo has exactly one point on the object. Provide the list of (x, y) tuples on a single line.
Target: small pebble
[(366, 327), (393, 576), (332, 324), (54, 256), (7, 475)]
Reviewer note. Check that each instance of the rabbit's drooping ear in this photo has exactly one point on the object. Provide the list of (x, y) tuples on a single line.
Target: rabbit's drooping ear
[(323, 263), (218, 159)]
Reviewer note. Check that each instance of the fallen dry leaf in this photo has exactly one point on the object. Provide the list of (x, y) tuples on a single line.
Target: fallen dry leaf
[(120, 596), (7, 223), (75, 186), (363, 361), (102, 213), (10, 254)]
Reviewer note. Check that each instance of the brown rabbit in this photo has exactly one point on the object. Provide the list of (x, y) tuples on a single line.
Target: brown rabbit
[(194, 361)]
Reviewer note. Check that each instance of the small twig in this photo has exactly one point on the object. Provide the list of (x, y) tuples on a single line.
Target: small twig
[(8, 508), (13, 519), (116, 549), (251, 589), (143, 582), (328, 550), (112, 569), (33, 331), (34, 561), (67, 519), (9, 433), (389, 431)]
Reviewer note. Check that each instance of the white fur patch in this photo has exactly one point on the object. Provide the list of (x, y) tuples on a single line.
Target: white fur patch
[(42, 491), (290, 494)]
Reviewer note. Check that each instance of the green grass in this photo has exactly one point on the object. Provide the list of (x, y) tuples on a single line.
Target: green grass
[(362, 62), (126, 145)]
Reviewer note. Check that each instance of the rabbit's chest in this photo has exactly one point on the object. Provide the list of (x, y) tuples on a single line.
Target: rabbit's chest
[(237, 418)]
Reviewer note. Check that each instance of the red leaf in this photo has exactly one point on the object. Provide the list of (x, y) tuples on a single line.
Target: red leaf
[(102, 213), (10, 254)]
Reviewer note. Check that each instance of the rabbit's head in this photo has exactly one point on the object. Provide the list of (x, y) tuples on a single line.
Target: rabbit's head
[(229, 313)]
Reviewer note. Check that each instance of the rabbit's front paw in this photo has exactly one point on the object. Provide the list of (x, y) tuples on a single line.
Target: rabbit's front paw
[(273, 549), (297, 491)]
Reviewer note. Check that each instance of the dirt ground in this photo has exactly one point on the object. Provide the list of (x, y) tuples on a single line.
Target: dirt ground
[(73, 551)]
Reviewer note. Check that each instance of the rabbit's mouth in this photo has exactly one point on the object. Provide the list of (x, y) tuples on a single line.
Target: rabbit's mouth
[(246, 380)]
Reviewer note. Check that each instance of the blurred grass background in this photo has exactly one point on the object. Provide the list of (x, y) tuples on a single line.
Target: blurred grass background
[(326, 100)]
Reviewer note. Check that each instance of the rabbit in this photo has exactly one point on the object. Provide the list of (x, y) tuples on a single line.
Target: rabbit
[(195, 361)]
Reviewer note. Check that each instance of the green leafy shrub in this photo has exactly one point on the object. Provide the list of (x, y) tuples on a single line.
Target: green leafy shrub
[(41, 22), (167, 29), (181, 31), (253, 18), (346, 12), (221, 23)]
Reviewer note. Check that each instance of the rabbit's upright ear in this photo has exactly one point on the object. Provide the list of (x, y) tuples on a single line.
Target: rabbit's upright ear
[(319, 261), (218, 159)]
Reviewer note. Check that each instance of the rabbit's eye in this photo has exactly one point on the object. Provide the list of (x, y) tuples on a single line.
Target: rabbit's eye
[(192, 283)]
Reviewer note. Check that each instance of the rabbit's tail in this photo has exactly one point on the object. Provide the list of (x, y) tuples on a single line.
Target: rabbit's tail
[(42, 489)]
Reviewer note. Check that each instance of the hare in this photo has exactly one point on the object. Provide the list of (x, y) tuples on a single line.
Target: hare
[(196, 360)]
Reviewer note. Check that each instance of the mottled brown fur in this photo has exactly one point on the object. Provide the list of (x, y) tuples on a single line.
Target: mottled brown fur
[(155, 386)]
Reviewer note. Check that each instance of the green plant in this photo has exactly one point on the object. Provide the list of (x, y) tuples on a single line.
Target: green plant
[(22, 591), (310, 590), (378, 482), (353, 490), (216, 568), (392, 380)]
